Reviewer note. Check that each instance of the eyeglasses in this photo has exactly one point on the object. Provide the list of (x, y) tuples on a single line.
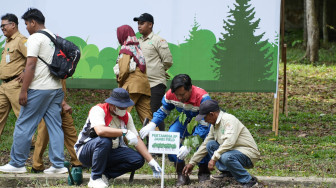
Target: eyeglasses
[(3, 25)]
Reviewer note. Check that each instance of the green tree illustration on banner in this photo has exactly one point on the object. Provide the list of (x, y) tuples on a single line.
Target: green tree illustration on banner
[(194, 57), (242, 57), (94, 64)]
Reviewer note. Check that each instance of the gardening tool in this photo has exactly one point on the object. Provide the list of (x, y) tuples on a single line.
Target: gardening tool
[(75, 176)]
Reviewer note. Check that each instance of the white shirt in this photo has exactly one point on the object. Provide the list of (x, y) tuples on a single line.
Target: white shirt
[(39, 45), (97, 118)]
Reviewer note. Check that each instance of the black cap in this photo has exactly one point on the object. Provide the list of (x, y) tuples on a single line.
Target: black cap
[(145, 17), (207, 107)]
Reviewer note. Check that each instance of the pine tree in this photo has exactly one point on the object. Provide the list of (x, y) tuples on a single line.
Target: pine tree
[(193, 31), (240, 55)]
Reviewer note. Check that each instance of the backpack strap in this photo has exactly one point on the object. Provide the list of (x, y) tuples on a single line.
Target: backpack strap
[(51, 38), (48, 35)]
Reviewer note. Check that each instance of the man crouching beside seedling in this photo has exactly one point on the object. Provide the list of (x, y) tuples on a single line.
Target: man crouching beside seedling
[(229, 143), (101, 145), (186, 99)]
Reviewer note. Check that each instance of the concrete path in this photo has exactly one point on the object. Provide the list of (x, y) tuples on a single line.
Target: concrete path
[(46, 180)]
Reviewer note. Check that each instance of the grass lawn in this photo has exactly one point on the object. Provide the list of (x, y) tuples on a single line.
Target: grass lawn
[(306, 145)]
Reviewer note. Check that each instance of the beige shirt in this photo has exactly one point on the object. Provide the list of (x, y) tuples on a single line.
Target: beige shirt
[(230, 134), (133, 82), (13, 57), (158, 58)]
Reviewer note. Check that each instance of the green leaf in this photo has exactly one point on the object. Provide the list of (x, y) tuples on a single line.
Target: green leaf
[(182, 117), (191, 125)]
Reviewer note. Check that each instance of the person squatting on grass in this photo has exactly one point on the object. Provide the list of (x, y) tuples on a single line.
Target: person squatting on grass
[(229, 143), (186, 98), (40, 97), (101, 144)]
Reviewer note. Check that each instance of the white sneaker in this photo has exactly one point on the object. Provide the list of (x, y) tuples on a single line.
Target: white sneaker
[(98, 183), (105, 180), (53, 170), (12, 169)]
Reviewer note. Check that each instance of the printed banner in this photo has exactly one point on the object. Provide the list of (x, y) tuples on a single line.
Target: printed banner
[(230, 45)]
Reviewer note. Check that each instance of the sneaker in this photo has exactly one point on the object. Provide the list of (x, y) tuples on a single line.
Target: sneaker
[(252, 183), (105, 180), (98, 183), (12, 169), (53, 170), (222, 175), (33, 170)]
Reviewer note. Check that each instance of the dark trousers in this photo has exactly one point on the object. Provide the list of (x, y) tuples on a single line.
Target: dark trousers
[(157, 93), (98, 154)]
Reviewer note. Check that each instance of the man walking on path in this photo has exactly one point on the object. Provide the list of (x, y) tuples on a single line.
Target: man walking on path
[(158, 60), (229, 143), (40, 97), (70, 138)]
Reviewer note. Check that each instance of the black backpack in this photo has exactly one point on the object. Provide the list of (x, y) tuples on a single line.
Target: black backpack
[(65, 58)]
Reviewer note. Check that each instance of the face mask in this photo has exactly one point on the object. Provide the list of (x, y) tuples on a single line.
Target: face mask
[(119, 112)]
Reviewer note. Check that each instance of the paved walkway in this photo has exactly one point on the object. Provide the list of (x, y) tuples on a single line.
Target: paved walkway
[(39, 180)]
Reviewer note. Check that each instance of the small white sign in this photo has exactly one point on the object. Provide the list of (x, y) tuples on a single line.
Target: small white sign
[(164, 142)]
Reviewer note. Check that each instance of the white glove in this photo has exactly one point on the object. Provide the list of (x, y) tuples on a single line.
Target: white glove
[(132, 138), (183, 152), (156, 168), (146, 129)]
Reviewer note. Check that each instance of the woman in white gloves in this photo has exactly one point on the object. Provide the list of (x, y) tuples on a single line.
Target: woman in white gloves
[(101, 145)]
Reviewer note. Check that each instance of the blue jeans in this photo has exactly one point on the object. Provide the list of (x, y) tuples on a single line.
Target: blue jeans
[(98, 154), (233, 161), (40, 104), (182, 129)]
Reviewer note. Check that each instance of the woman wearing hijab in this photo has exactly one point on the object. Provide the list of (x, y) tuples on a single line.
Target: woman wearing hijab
[(131, 72)]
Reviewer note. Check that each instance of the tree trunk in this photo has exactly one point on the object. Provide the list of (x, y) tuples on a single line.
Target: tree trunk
[(324, 23), (312, 32), (304, 23)]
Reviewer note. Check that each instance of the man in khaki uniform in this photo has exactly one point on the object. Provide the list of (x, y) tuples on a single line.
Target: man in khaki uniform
[(158, 60), (229, 143), (13, 62)]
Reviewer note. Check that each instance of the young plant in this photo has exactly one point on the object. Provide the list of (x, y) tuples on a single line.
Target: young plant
[(192, 141)]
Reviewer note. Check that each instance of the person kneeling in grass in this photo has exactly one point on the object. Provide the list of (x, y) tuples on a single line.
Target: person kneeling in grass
[(229, 143)]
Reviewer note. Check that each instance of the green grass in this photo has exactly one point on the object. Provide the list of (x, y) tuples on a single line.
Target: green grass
[(306, 145)]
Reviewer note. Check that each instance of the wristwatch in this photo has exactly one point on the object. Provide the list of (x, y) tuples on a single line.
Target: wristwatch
[(124, 132)]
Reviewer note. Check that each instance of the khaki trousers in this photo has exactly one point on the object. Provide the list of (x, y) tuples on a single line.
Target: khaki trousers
[(9, 99), (70, 138), (142, 106)]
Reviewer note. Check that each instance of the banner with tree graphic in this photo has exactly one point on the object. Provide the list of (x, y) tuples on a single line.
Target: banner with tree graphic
[(227, 45)]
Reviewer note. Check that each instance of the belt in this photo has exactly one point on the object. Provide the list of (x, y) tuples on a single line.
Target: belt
[(9, 79)]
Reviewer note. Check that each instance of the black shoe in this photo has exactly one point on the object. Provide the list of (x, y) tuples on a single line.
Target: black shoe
[(33, 170), (182, 180), (203, 177), (222, 175), (253, 182)]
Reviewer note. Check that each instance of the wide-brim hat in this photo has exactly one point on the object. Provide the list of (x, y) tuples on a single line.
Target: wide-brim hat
[(120, 98)]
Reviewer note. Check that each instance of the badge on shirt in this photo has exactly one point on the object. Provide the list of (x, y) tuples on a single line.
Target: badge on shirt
[(7, 58)]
